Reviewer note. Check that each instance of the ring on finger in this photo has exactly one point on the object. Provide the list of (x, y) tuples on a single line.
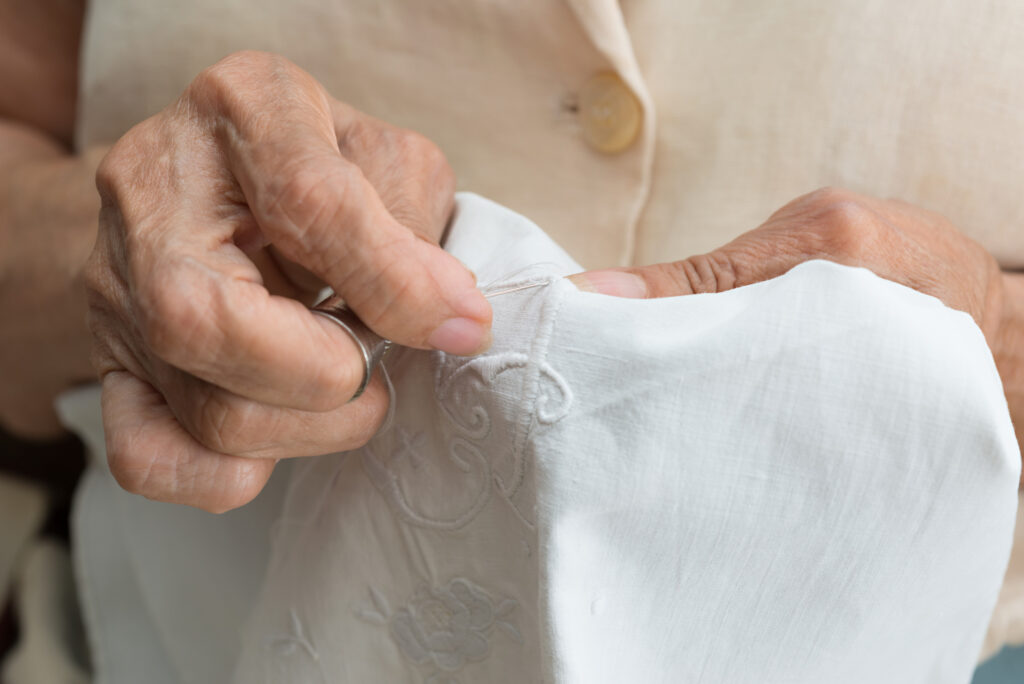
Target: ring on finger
[(372, 347)]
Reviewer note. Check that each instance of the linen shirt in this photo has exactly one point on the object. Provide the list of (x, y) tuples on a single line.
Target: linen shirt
[(743, 105)]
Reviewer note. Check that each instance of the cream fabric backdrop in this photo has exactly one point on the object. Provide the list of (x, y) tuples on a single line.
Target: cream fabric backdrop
[(746, 104)]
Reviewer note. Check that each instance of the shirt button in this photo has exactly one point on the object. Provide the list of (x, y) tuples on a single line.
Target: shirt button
[(609, 113)]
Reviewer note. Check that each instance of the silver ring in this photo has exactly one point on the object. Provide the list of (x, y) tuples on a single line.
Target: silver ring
[(372, 346)]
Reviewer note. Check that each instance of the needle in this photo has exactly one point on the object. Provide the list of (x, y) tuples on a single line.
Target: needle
[(513, 289)]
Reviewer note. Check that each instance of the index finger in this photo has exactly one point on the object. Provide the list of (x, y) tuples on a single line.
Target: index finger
[(210, 316), (320, 211)]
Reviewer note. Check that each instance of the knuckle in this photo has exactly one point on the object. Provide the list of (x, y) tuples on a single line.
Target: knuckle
[(408, 149), (222, 424), (680, 276), (250, 59), (168, 318), (108, 173), (427, 150), (224, 76), (835, 205), (828, 195), (243, 86), (848, 230), (846, 225), (428, 156), (700, 274), (302, 197), (845, 214), (117, 169), (408, 171), (723, 271)]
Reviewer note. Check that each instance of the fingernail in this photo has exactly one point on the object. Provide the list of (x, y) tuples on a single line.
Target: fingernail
[(614, 283), (471, 304), (462, 336)]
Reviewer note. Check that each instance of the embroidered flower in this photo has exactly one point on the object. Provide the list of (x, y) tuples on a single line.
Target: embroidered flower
[(448, 626)]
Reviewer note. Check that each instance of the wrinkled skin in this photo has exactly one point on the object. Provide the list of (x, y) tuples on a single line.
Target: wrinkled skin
[(221, 219)]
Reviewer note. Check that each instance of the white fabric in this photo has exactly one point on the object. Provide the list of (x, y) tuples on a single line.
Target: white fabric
[(810, 479)]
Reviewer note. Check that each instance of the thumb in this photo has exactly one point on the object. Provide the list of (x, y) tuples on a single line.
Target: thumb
[(320, 211), (744, 261), (401, 286)]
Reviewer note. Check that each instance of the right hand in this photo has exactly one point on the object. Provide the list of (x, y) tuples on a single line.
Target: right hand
[(221, 218)]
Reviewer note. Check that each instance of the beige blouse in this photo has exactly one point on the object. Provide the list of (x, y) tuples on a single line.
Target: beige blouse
[(641, 130)]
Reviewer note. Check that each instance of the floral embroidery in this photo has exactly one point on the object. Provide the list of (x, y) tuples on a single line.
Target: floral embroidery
[(441, 629)]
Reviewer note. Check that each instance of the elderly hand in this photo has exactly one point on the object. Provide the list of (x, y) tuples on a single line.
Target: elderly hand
[(221, 218), (897, 241)]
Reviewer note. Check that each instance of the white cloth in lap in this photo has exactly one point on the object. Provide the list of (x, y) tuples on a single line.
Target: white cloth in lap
[(810, 479)]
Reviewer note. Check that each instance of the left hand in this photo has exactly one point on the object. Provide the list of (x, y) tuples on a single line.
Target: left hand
[(895, 240)]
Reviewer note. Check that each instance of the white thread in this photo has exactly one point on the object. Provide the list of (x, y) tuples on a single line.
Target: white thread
[(506, 278), (389, 419)]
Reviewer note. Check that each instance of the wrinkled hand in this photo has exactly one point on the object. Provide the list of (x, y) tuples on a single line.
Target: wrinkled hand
[(895, 240), (222, 217)]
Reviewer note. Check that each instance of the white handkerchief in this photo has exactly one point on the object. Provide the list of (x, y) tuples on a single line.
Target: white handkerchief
[(811, 479)]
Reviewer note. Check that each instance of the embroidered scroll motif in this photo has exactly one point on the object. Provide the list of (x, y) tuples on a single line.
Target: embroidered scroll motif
[(464, 455), (441, 629), (548, 400), (492, 404)]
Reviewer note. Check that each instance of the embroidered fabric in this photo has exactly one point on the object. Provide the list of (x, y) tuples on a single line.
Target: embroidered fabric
[(810, 479)]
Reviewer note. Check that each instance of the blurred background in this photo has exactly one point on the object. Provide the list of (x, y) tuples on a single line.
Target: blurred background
[(1006, 668)]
